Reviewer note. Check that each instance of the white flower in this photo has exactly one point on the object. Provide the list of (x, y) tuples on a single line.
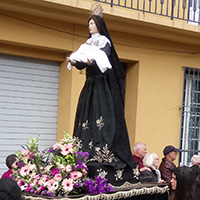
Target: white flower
[(23, 187), (52, 185), (60, 166), (68, 168), (67, 185), (47, 168)]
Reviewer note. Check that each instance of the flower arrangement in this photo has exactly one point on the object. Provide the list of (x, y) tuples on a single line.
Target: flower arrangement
[(58, 171)]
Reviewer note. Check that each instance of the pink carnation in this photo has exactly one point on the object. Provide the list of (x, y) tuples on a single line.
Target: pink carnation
[(66, 149), (44, 181), (37, 177), (24, 170), (58, 177), (25, 152), (34, 183), (75, 175)]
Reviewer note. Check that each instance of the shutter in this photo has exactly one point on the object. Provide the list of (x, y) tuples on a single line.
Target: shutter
[(28, 103)]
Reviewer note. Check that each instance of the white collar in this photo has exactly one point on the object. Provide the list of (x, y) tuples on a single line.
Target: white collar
[(95, 35)]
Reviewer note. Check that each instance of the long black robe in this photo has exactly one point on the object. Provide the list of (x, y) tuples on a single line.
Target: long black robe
[(101, 126)]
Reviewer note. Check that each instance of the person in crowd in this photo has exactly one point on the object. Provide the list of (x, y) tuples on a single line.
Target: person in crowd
[(195, 160), (10, 161), (9, 190), (100, 121), (167, 164), (151, 161), (183, 184), (139, 151)]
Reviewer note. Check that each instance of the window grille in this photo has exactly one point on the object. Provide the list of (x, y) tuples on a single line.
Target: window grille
[(190, 125)]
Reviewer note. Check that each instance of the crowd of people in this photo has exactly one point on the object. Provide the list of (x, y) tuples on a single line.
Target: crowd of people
[(183, 182)]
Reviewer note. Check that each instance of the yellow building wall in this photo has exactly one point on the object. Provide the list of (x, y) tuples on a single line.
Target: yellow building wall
[(154, 114), (154, 82)]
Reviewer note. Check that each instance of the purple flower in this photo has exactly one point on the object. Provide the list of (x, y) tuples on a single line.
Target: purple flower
[(109, 189), (81, 165), (32, 191), (21, 164), (50, 194), (88, 182), (73, 168), (51, 150), (43, 192), (83, 156), (101, 188), (99, 185), (100, 180), (76, 185), (90, 186)]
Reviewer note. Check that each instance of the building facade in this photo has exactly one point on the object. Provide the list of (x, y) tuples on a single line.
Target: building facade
[(161, 55)]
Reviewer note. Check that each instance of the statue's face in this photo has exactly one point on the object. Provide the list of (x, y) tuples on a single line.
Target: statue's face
[(92, 27)]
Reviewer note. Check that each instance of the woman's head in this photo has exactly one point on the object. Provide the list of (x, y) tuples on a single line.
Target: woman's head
[(151, 160), (95, 24), (9, 190), (184, 183), (92, 27)]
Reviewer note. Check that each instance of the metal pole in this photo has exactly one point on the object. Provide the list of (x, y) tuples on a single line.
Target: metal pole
[(172, 13), (111, 4)]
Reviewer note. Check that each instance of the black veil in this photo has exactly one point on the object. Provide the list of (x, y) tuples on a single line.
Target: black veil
[(114, 60), (121, 145)]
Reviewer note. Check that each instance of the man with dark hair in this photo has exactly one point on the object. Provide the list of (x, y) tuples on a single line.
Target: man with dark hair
[(167, 164), (10, 160)]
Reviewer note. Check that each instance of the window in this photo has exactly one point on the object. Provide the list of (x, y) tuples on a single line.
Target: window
[(194, 12), (190, 126)]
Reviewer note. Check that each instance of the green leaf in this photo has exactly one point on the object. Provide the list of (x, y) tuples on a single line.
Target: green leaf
[(66, 135)]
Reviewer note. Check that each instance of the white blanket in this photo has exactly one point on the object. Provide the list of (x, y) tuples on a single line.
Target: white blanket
[(90, 52)]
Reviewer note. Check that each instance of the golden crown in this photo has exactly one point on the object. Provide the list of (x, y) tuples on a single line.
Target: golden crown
[(96, 9)]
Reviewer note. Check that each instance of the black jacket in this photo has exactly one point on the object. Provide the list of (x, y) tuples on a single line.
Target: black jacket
[(148, 176)]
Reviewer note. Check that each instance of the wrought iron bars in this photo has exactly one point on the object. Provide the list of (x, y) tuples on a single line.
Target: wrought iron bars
[(190, 125), (175, 9)]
